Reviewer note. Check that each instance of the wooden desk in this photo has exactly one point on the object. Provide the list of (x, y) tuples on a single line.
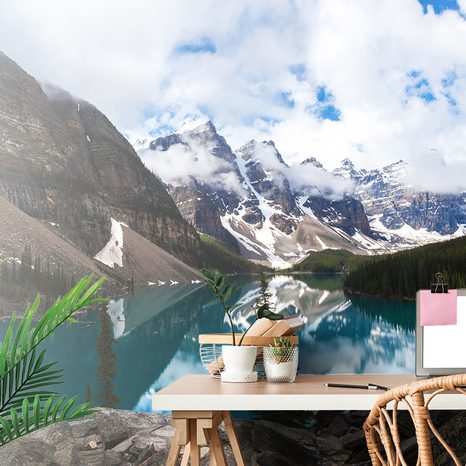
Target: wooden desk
[(200, 403)]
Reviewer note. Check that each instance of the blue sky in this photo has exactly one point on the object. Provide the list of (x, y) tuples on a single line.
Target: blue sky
[(290, 71), (439, 5)]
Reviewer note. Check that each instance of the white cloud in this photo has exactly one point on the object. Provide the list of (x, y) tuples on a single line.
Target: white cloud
[(303, 178), (125, 58), (190, 164), (430, 172)]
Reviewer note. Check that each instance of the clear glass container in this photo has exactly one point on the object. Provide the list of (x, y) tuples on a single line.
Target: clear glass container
[(281, 364)]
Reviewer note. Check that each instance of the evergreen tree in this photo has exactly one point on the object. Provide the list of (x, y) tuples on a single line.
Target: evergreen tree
[(401, 274), (88, 396), (107, 359)]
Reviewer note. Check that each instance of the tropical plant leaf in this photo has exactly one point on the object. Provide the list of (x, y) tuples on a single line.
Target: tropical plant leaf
[(36, 411), (38, 415), (228, 292), (5, 346), (30, 375), (15, 422), (207, 274), (265, 312), (5, 431), (220, 283), (24, 374), (79, 297), (25, 414)]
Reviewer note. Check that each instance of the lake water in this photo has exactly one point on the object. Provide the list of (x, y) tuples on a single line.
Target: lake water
[(120, 354)]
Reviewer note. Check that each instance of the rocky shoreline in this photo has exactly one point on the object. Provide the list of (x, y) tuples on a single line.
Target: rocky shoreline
[(124, 438)]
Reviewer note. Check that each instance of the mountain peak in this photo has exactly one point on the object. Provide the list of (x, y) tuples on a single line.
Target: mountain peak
[(250, 143), (197, 126), (312, 161), (249, 149), (347, 170), (347, 163)]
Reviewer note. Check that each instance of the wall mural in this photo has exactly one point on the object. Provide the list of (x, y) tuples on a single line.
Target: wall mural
[(148, 209)]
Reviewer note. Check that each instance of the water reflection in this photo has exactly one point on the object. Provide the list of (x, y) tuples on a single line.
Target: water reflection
[(146, 340), (106, 371)]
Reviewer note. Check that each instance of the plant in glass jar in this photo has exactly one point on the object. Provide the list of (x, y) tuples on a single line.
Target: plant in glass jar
[(281, 360)]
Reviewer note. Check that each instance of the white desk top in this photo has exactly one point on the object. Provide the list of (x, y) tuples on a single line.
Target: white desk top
[(307, 393)]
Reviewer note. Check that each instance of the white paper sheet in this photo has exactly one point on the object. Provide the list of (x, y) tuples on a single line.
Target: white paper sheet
[(445, 345)]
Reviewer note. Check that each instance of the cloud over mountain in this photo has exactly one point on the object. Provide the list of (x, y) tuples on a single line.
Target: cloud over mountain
[(293, 72), (307, 177), (182, 164), (430, 172)]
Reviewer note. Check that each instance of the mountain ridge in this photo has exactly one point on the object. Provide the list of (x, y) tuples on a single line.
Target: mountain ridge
[(275, 205), (64, 162), (70, 175)]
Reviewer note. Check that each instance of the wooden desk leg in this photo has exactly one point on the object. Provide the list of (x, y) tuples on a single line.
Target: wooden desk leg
[(186, 453), (212, 461), (174, 449), (217, 448), (231, 432), (194, 429), (195, 451)]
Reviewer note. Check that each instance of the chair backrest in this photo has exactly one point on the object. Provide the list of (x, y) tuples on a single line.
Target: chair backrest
[(381, 426)]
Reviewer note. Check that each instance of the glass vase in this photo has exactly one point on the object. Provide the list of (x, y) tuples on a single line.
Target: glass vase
[(281, 364)]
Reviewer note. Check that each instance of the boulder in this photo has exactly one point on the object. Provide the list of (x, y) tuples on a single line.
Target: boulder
[(114, 437)]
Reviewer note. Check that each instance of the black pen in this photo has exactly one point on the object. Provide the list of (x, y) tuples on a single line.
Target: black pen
[(369, 386)]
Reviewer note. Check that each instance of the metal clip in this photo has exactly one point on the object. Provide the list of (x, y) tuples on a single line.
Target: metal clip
[(440, 286)]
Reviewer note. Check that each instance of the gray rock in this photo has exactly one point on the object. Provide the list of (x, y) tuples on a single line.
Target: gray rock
[(115, 438), (202, 213), (108, 437)]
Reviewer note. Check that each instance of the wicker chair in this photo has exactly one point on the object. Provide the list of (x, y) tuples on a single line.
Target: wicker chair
[(381, 426)]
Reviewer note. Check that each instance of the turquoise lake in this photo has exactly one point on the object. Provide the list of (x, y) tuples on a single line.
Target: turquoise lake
[(118, 355)]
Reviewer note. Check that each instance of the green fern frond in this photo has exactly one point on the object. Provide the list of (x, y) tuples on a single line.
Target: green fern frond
[(24, 374), (34, 416)]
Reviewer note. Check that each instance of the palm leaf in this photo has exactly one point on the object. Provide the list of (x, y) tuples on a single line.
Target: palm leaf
[(38, 415), (23, 372), (5, 431), (30, 374)]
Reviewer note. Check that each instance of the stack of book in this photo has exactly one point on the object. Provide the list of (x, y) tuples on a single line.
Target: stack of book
[(275, 328)]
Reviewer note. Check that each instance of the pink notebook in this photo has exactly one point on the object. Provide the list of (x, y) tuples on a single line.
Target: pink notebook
[(438, 308)]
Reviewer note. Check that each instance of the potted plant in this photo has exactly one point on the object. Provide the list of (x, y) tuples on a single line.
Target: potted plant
[(239, 360), (281, 361)]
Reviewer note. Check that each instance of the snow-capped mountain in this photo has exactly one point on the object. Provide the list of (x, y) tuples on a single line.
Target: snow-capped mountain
[(398, 212), (254, 202), (270, 216)]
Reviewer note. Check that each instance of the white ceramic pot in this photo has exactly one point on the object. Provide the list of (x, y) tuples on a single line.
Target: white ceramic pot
[(239, 363)]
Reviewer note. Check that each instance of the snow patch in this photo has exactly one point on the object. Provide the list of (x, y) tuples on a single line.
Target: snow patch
[(300, 201), (410, 235), (324, 296), (112, 253), (192, 124), (116, 311)]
